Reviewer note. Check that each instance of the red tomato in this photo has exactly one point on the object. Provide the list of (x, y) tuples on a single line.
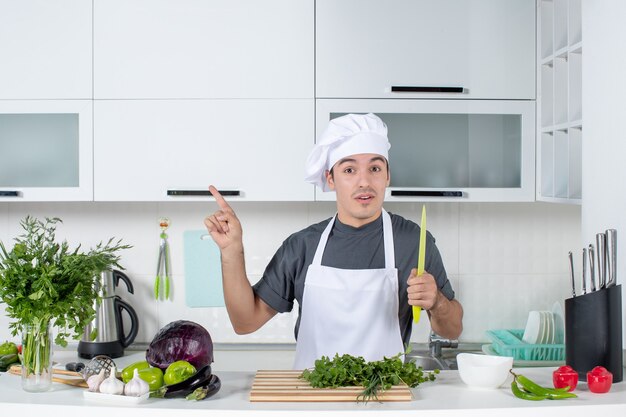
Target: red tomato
[(565, 376), (599, 380)]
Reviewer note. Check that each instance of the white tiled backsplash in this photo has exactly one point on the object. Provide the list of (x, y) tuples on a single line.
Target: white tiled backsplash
[(503, 259)]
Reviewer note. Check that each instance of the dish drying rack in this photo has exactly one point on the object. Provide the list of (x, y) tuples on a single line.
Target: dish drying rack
[(508, 342)]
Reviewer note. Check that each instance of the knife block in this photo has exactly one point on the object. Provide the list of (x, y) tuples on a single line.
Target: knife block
[(593, 332)]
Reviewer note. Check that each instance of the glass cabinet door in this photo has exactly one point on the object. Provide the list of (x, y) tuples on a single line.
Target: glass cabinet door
[(457, 149), (444, 150), (46, 150)]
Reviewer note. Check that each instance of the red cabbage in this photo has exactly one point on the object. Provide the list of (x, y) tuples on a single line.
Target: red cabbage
[(181, 340)]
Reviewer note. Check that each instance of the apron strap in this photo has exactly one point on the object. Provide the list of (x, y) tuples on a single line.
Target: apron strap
[(390, 261), (390, 256), (317, 259)]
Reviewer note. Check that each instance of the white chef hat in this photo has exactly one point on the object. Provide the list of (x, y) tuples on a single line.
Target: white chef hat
[(346, 135)]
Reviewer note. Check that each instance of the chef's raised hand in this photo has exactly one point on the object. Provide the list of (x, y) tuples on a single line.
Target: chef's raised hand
[(223, 225), (422, 290)]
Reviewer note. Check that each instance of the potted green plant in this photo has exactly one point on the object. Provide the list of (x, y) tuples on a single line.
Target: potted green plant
[(44, 284)]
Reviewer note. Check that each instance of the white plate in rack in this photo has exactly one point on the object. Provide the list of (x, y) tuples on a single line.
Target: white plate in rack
[(552, 334), (544, 329), (559, 323), (534, 328)]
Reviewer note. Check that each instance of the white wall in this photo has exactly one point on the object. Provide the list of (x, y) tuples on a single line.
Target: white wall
[(604, 137), (503, 259)]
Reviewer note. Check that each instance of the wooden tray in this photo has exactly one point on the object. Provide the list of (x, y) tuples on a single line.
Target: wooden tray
[(78, 381), (285, 386)]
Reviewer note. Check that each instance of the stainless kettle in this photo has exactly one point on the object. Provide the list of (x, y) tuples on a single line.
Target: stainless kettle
[(110, 338)]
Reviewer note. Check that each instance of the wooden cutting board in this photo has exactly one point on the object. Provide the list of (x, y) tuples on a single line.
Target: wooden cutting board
[(78, 381), (285, 386)]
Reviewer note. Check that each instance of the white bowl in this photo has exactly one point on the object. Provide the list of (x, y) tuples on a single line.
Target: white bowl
[(483, 371)]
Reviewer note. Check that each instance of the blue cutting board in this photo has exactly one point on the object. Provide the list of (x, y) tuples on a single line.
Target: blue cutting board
[(203, 271)]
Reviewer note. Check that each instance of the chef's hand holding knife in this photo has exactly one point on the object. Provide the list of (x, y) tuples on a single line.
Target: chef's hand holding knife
[(445, 315), (423, 291)]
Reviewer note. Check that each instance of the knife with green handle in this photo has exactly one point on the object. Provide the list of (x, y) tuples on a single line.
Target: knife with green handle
[(421, 259)]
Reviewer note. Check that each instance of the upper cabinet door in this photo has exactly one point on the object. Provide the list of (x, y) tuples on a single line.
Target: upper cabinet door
[(203, 49), (171, 150), (45, 49), (46, 150), (485, 48), (452, 150)]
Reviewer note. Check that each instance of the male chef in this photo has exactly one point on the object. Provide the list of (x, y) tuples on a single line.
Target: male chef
[(353, 275)]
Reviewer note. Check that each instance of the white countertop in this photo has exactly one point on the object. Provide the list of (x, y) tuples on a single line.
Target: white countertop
[(447, 396)]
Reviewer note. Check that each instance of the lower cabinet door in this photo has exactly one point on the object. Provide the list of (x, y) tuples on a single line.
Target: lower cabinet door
[(172, 150)]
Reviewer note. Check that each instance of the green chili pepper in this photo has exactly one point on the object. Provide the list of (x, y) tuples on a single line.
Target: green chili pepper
[(533, 391), (525, 395), (561, 395), (535, 388)]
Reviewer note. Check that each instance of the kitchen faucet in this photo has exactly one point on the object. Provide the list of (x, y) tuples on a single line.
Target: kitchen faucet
[(436, 343)]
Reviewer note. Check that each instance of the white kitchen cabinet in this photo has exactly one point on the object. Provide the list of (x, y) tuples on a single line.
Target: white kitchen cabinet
[(559, 126), (45, 49), (46, 150), (146, 150), (203, 49), (485, 48), (451, 150)]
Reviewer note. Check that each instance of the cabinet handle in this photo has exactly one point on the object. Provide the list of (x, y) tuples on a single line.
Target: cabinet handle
[(197, 193), (411, 193), (9, 193), (423, 89)]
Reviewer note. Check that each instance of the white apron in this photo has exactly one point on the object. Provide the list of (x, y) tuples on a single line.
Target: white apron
[(353, 311)]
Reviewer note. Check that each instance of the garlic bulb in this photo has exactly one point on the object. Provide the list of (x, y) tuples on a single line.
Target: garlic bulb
[(136, 387), (94, 381), (112, 385)]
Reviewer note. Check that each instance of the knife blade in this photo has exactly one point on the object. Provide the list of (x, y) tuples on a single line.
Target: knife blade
[(421, 259), (601, 253), (611, 256), (571, 273), (584, 286), (592, 269)]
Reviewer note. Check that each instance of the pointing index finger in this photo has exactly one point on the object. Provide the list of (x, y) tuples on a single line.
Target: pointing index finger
[(219, 199)]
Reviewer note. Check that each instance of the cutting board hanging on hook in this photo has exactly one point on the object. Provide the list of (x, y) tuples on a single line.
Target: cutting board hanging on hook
[(203, 271)]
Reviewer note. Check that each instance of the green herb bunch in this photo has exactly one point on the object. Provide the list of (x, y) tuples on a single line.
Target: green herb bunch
[(374, 377), (44, 282)]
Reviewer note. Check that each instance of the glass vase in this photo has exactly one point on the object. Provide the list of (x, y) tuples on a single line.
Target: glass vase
[(37, 357)]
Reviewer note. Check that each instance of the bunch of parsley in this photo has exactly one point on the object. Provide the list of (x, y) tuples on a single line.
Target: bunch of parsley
[(374, 377), (44, 282)]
